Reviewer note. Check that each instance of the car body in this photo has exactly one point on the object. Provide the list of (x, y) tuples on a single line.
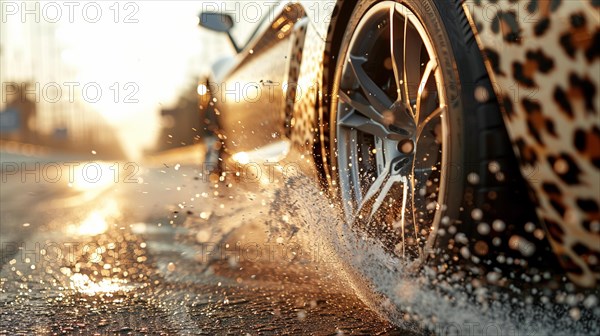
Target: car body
[(542, 59)]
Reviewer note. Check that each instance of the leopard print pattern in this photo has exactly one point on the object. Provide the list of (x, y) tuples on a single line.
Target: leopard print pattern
[(304, 119), (543, 57), (311, 117), (293, 88)]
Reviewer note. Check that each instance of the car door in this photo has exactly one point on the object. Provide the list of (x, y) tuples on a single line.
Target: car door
[(250, 96)]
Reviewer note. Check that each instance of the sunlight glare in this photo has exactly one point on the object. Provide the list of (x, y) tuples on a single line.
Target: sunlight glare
[(83, 284)]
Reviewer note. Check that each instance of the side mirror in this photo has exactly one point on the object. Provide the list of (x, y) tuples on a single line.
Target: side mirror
[(218, 22)]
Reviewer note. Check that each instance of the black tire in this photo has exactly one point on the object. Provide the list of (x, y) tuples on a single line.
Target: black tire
[(485, 184)]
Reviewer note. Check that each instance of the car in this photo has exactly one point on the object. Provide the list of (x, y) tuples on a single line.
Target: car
[(462, 136)]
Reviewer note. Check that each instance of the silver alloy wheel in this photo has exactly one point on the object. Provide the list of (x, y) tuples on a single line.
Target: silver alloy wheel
[(390, 130)]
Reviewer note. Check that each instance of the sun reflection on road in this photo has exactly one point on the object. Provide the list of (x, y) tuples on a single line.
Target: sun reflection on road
[(83, 284), (93, 225), (98, 221), (95, 176)]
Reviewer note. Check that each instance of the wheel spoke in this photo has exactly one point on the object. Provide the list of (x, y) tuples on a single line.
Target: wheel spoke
[(354, 154), (365, 125), (405, 58), (384, 186), (361, 106), (380, 101), (428, 103), (397, 64), (411, 66), (403, 216), (422, 92), (375, 187), (431, 117), (387, 186), (413, 209), (380, 188)]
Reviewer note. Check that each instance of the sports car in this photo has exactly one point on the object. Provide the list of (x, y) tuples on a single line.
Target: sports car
[(461, 136)]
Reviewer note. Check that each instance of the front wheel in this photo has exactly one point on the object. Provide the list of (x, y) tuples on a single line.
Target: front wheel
[(392, 129), (420, 159)]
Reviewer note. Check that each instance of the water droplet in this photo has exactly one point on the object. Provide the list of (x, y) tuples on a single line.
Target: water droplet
[(473, 178), (575, 313), (464, 252), (498, 225), (482, 94), (494, 167), (483, 228), (477, 214)]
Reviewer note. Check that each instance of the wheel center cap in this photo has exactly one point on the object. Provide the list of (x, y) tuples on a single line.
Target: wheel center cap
[(406, 146)]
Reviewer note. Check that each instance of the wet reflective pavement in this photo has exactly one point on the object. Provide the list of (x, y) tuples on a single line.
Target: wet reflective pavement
[(161, 251)]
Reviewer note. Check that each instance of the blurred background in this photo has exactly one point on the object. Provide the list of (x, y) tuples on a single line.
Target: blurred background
[(116, 78)]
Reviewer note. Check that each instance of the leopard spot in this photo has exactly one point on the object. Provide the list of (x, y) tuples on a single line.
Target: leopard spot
[(479, 26), (544, 63), (541, 27), (593, 50), (583, 88), (555, 4), (578, 20), (550, 188), (507, 106), (555, 196), (592, 226), (551, 128), (580, 140), (528, 156), (535, 119), (494, 59), (559, 207), (569, 265), (507, 23), (567, 44), (560, 97), (579, 37), (544, 6), (580, 88), (520, 75), (535, 61), (587, 205), (587, 143), (590, 257), (532, 6), (555, 231)]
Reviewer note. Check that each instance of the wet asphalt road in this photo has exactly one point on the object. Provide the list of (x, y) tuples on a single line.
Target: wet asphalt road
[(160, 251)]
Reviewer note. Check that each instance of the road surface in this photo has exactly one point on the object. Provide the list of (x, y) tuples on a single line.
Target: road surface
[(158, 249)]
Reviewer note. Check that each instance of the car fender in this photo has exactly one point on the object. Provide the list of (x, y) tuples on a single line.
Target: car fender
[(543, 59)]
